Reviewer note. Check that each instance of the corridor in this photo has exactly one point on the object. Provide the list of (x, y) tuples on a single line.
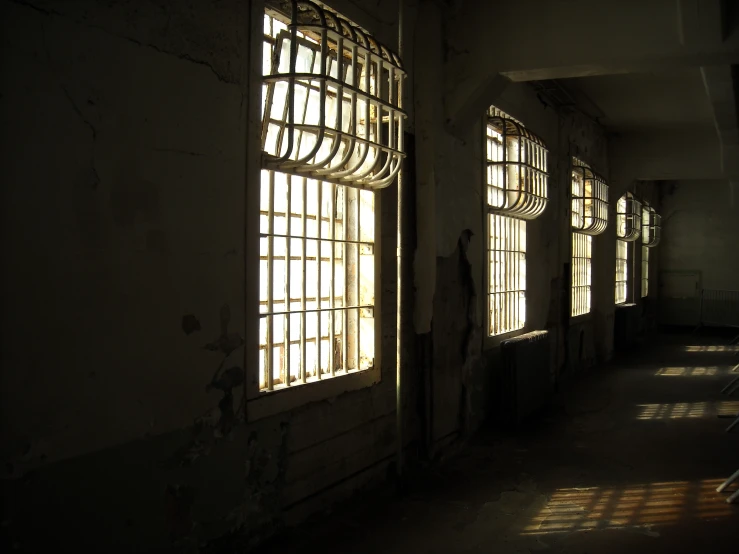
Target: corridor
[(627, 460)]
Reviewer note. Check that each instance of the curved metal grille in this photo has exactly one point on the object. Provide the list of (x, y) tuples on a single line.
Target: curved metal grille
[(628, 218), (332, 96), (589, 200), (651, 226), (516, 169)]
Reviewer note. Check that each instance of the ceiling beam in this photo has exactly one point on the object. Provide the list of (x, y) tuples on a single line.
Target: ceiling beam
[(661, 155), (531, 40)]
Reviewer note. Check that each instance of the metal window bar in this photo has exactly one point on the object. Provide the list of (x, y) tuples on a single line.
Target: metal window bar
[(589, 200), (651, 226), (507, 274), (622, 271), (517, 178), (317, 280), (582, 254), (332, 99), (628, 218), (644, 271), (316, 263)]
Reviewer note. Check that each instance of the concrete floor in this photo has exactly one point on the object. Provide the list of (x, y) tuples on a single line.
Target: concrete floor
[(627, 460)]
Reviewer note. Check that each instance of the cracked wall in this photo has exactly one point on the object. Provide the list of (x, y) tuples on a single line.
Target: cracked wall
[(123, 333), (123, 329)]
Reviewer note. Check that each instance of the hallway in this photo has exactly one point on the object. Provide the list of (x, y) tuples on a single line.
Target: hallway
[(632, 454)]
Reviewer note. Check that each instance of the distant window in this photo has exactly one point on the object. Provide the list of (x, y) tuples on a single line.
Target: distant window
[(622, 271), (644, 271), (517, 191), (589, 211), (507, 274), (582, 278), (651, 234), (628, 218), (331, 135)]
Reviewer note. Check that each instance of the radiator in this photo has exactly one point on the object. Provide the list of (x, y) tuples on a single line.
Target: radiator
[(626, 324), (720, 308), (526, 381)]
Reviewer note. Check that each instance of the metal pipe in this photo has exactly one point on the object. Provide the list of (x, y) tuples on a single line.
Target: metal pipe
[(400, 297)]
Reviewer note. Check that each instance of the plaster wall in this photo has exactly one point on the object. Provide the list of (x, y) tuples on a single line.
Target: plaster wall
[(700, 230)]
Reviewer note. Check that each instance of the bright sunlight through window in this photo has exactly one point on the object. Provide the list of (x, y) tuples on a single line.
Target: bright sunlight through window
[(329, 121), (636, 506)]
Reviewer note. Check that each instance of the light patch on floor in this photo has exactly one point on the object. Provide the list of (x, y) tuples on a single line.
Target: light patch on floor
[(687, 371), (711, 348), (679, 410), (727, 408), (638, 506)]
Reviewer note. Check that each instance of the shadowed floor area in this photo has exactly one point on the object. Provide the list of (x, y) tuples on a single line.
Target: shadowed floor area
[(628, 460)]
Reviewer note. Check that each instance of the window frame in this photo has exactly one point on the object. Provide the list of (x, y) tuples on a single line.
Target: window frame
[(644, 292), (626, 274), (489, 282), (585, 225), (589, 266), (523, 212), (260, 404)]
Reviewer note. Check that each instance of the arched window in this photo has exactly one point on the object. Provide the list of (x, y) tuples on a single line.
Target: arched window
[(589, 200), (516, 189), (651, 226), (331, 101), (332, 134), (517, 169), (589, 210)]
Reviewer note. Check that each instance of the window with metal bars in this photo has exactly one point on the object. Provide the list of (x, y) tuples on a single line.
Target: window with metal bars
[(628, 218), (507, 274), (582, 256), (622, 271), (517, 177), (332, 99), (332, 135), (644, 271), (651, 226), (589, 199), (516, 190), (589, 211)]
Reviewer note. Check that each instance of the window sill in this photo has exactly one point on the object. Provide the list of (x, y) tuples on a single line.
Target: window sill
[(491, 342), (266, 404), (582, 318)]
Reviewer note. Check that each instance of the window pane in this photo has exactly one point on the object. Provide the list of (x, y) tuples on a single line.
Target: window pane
[(507, 274)]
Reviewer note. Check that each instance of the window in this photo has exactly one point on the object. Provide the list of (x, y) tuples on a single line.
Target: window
[(628, 229), (582, 256), (507, 270), (644, 271), (589, 217), (628, 218), (516, 191), (651, 227), (651, 234), (622, 271), (332, 133)]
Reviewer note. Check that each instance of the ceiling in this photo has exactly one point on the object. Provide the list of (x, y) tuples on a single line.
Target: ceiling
[(656, 100)]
